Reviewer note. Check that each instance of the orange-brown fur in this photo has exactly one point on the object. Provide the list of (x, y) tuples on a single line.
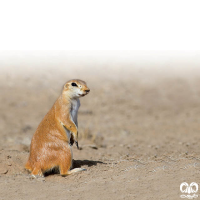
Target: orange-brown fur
[(50, 145)]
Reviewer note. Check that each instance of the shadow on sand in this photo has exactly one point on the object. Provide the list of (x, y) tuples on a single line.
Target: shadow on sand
[(76, 164), (89, 163)]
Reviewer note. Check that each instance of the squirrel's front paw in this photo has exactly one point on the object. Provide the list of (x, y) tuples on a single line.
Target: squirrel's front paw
[(74, 138)]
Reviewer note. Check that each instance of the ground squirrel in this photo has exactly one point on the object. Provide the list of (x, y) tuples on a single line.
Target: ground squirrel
[(51, 143)]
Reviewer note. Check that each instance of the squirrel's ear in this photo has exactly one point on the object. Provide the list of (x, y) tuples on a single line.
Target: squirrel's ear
[(66, 86)]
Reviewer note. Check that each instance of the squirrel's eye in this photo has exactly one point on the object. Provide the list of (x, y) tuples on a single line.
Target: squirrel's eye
[(74, 84)]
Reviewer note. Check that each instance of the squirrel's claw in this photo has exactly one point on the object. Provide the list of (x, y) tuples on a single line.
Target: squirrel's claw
[(76, 142)]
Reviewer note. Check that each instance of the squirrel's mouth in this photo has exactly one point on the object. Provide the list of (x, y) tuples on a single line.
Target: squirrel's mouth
[(82, 95)]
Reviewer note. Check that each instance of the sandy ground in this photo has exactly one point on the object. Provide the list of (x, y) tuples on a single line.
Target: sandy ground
[(139, 131)]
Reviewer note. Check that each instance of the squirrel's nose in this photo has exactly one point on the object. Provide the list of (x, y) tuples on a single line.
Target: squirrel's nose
[(87, 90)]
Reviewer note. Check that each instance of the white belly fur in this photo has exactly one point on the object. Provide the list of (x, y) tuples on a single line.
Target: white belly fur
[(75, 104)]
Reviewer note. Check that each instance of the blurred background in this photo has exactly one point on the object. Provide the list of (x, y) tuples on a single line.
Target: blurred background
[(144, 95), (138, 126)]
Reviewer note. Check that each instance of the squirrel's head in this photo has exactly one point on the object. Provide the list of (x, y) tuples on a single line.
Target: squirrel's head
[(76, 88)]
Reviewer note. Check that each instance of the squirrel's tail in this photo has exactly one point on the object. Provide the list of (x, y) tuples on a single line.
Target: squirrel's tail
[(72, 171)]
